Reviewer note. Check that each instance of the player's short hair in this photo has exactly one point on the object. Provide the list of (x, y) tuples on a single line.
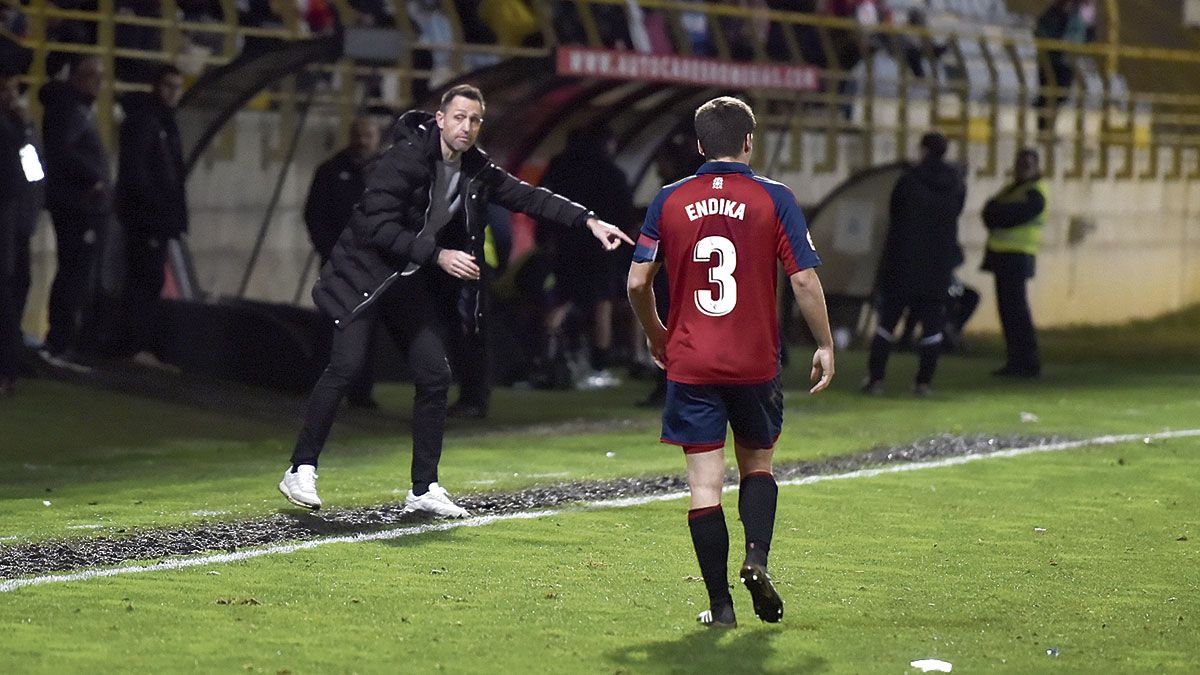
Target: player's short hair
[(722, 125), (463, 90)]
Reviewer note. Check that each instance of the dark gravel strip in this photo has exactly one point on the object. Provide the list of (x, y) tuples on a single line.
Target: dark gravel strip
[(70, 554)]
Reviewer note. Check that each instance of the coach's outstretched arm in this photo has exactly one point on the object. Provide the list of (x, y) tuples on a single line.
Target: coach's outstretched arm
[(811, 298), (515, 194)]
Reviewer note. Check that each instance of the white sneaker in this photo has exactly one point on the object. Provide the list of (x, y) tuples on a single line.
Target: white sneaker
[(300, 487), (436, 501), (63, 362)]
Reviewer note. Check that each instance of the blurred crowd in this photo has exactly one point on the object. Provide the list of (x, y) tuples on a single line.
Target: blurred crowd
[(563, 290)]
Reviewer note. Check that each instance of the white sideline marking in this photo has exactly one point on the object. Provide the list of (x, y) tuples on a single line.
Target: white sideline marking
[(182, 563)]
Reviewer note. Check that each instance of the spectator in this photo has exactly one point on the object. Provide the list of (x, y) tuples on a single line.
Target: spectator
[(434, 29), (13, 57), (68, 31), (151, 205), (1014, 220), (919, 257), (743, 33), (588, 279), (203, 12), (139, 37), (1070, 21), (21, 183), (373, 12), (336, 188), (808, 38), (512, 21), (320, 17), (695, 26), (79, 198)]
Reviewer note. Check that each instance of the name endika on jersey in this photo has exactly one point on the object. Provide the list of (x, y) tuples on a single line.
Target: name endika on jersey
[(715, 207)]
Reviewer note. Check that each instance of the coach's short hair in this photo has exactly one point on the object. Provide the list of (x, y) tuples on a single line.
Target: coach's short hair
[(722, 125), (463, 90)]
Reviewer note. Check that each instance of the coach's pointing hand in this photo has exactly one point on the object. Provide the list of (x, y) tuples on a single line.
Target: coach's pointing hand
[(458, 264), (610, 235)]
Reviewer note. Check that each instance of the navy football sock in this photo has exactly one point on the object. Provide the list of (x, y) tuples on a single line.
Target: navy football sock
[(756, 508), (710, 538)]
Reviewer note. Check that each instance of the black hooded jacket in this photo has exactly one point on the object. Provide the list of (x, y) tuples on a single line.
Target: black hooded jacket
[(151, 196), (382, 238), (336, 187), (922, 250), (75, 156)]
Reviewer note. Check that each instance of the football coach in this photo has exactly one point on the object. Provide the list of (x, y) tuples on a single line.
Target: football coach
[(410, 259)]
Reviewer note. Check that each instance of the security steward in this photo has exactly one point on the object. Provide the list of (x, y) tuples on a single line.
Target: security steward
[(1014, 220)]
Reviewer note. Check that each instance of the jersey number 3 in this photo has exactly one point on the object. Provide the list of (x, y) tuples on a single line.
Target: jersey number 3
[(721, 274)]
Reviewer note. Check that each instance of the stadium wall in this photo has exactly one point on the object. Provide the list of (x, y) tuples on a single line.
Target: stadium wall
[(1114, 250)]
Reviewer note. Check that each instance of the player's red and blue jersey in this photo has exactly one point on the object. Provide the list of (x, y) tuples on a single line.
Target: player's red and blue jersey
[(719, 234)]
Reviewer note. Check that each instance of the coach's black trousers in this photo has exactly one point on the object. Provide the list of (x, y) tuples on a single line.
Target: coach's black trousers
[(926, 307), (414, 313)]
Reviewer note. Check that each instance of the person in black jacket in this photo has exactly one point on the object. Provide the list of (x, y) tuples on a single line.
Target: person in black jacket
[(586, 279), (411, 259), (78, 196), (151, 203), (919, 257), (21, 183), (336, 188)]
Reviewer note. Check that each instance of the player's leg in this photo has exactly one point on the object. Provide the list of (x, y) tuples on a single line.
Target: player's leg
[(710, 535), (694, 418), (347, 354), (756, 416), (891, 306)]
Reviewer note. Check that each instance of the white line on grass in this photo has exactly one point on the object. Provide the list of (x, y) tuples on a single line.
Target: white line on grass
[(396, 533)]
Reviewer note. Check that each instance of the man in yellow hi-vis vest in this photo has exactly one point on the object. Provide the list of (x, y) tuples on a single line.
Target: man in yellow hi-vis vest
[(1014, 220)]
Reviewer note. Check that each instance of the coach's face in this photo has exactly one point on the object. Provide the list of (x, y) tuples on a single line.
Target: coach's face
[(460, 122)]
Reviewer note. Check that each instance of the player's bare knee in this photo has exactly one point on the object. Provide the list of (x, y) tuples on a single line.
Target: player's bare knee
[(754, 460)]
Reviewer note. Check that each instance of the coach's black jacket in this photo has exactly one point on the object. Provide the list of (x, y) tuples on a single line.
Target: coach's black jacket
[(382, 238), (921, 249)]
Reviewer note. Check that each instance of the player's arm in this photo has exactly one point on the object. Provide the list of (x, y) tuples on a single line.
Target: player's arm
[(641, 297), (800, 259), (647, 259), (811, 298)]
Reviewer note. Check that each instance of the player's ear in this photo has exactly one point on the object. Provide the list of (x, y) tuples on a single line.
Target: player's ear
[(748, 144), (699, 148)]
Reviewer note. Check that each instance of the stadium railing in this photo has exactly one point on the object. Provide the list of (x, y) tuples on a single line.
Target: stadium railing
[(989, 73)]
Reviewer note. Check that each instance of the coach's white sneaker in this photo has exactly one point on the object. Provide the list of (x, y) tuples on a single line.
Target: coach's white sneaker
[(436, 501), (300, 487)]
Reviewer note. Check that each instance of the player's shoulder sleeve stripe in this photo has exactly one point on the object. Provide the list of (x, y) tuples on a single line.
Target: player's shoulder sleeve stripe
[(796, 248), (647, 248)]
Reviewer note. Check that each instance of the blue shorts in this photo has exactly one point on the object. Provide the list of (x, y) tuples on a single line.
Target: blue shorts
[(695, 415)]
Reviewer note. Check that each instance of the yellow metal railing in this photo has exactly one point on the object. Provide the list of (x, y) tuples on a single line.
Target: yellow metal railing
[(1168, 122)]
